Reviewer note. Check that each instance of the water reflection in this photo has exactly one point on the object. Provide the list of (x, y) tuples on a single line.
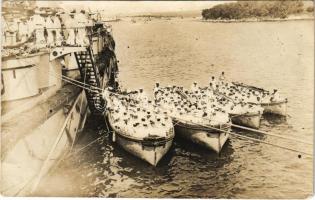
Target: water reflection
[(168, 52)]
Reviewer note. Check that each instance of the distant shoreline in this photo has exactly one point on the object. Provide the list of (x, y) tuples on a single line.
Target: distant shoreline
[(257, 20)]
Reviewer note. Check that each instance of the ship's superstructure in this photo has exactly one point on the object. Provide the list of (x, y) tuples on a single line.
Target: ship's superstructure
[(51, 77)]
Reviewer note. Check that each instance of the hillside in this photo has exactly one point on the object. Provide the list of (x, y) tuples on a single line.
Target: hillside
[(256, 9)]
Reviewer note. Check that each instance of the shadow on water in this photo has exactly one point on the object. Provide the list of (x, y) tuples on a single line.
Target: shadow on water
[(104, 169), (273, 120), (247, 133), (202, 155)]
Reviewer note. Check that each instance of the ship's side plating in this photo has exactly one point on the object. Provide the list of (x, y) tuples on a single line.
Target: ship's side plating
[(41, 113)]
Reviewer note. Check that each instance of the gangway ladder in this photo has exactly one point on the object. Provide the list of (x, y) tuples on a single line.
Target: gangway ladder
[(92, 78)]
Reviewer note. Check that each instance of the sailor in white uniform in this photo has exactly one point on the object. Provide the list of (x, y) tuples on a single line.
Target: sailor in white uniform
[(23, 31), (11, 32), (142, 98), (157, 87), (3, 30), (276, 96), (50, 31), (38, 24), (213, 81), (194, 88), (30, 27), (81, 21), (221, 78), (56, 28), (70, 24)]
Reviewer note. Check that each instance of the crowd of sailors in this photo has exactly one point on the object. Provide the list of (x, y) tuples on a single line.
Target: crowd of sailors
[(239, 93), (133, 114), (180, 104), (210, 105), (48, 29)]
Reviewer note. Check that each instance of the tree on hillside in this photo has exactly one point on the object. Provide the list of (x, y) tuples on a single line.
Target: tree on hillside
[(247, 9)]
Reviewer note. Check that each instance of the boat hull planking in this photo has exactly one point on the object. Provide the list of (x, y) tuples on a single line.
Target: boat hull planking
[(151, 154), (276, 108), (210, 139), (249, 120)]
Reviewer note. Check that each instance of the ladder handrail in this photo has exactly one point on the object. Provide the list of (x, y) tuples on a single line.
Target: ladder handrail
[(95, 100), (94, 67)]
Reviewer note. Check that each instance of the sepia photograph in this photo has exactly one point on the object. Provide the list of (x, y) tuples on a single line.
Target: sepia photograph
[(157, 99)]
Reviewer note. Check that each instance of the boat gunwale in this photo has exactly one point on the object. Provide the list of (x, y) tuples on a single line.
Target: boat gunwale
[(245, 114), (186, 124), (274, 103), (135, 139), (261, 89)]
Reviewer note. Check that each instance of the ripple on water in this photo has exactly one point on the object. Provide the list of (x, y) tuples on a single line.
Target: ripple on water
[(169, 53)]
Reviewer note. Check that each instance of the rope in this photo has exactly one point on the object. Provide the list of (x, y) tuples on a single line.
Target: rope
[(89, 144), (79, 82), (58, 138), (237, 126), (253, 139), (271, 134), (73, 81), (275, 145), (81, 105)]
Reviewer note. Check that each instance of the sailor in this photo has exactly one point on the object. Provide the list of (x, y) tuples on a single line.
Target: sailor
[(3, 30), (90, 23), (213, 81), (251, 98), (17, 22), (38, 25), (194, 87), (276, 95), (156, 88), (70, 27), (81, 21), (142, 97), (56, 29), (23, 31), (211, 86), (50, 31), (11, 32), (222, 78), (30, 27)]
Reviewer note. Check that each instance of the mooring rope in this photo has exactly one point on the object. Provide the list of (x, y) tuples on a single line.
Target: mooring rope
[(89, 144), (268, 143), (73, 81), (253, 139), (272, 134)]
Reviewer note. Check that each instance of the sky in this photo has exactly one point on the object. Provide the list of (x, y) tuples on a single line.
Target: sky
[(132, 7)]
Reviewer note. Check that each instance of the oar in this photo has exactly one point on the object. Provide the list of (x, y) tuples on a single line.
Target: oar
[(249, 86), (182, 94), (218, 93)]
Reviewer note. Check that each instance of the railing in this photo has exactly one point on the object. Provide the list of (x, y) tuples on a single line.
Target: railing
[(42, 38)]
